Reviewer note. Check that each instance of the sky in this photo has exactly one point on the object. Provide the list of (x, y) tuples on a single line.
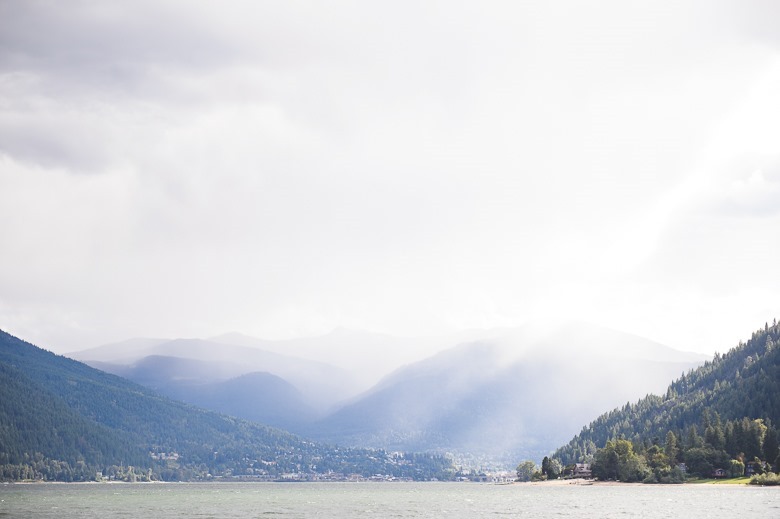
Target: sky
[(280, 169)]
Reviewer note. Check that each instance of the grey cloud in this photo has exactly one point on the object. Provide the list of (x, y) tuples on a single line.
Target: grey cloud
[(755, 193), (314, 164), (56, 140), (104, 44), (757, 20)]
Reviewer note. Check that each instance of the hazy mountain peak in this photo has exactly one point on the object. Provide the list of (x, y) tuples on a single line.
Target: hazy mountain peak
[(239, 339), (126, 351), (203, 360)]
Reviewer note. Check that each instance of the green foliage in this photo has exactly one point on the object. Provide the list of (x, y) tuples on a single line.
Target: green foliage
[(551, 468), (671, 451), (666, 475), (770, 447), (618, 461), (62, 420), (525, 471), (736, 468), (767, 479), (733, 399), (703, 460)]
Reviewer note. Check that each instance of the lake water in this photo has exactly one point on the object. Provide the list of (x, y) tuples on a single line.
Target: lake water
[(385, 500)]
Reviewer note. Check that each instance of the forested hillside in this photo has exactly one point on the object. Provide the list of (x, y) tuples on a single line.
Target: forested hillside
[(62, 420), (721, 415)]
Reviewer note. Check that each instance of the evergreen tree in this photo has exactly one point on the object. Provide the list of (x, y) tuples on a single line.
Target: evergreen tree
[(670, 448), (754, 438), (771, 448), (730, 439), (714, 435), (694, 440)]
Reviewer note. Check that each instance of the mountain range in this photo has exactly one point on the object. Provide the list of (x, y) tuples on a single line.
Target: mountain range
[(493, 397), (511, 394), (179, 365), (63, 420)]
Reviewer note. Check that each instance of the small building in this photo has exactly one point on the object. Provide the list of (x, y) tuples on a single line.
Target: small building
[(719, 473), (582, 470)]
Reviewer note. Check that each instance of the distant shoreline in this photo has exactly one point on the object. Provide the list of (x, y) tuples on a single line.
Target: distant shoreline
[(593, 482), (575, 482), (548, 483)]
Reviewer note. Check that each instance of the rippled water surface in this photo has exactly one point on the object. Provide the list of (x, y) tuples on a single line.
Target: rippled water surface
[(386, 500)]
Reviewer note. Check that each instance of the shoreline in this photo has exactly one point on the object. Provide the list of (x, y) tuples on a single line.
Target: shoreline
[(593, 482), (575, 482), (550, 483)]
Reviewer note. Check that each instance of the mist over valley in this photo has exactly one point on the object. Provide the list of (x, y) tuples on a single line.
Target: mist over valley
[(492, 398)]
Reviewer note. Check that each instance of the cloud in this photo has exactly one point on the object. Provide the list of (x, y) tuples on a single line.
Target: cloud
[(755, 196), (712, 249), (284, 168)]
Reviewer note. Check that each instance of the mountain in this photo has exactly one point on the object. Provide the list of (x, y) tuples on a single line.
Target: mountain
[(518, 393), (151, 362), (285, 384), (159, 372), (496, 396), (367, 356), (63, 420), (257, 396), (260, 397), (119, 352), (730, 399)]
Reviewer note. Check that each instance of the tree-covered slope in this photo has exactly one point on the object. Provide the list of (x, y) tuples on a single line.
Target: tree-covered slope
[(724, 396), (57, 412), (33, 420)]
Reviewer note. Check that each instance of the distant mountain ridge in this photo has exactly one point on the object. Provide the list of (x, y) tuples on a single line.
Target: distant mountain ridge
[(257, 396), (321, 385), (368, 356)]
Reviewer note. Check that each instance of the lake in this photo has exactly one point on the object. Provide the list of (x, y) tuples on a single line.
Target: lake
[(385, 500)]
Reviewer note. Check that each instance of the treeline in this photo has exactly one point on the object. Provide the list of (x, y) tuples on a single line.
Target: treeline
[(738, 448), (39, 468), (421, 467), (718, 416)]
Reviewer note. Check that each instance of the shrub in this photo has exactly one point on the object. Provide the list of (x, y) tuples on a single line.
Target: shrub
[(766, 479)]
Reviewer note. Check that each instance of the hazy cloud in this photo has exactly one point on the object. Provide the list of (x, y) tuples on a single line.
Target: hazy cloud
[(180, 169)]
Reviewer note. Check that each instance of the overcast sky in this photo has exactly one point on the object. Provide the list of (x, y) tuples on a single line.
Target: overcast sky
[(186, 169)]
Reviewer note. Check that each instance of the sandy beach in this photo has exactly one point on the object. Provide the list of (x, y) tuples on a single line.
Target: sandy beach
[(576, 482)]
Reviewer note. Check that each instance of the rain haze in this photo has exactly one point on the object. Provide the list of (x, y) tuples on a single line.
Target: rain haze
[(282, 169)]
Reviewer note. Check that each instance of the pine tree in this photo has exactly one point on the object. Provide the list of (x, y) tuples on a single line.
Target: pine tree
[(714, 435), (694, 440), (771, 448), (670, 448)]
